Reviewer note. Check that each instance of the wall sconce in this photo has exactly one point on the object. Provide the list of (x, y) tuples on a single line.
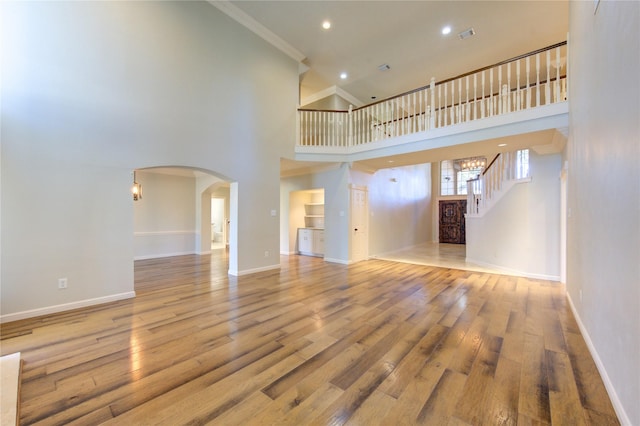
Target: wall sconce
[(136, 189)]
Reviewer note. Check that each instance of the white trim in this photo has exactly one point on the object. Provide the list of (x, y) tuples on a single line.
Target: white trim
[(161, 255), (611, 390), (149, 233), (287, 253), (333, 90), (65, 307), (254, 270), (341, 261), (247, 21), (513, 271), (540, 118)]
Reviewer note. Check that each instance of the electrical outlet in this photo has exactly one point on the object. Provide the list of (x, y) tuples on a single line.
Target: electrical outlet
[(266, 253), (62, 283)]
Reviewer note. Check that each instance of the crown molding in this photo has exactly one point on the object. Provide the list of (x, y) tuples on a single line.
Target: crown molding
[(247, 21)]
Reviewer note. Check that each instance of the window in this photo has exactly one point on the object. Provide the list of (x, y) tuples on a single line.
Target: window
[(454, 174), (447, 176), (522, 164)]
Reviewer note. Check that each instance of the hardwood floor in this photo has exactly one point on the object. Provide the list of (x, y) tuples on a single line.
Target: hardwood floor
[(374, 343)]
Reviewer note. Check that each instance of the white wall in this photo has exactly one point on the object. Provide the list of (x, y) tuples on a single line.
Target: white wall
[(93, 90), (399, 208), (521, 232), (165, 217), (603, 259)]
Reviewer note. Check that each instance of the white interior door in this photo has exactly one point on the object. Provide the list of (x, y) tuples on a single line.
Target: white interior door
[(359, 223)]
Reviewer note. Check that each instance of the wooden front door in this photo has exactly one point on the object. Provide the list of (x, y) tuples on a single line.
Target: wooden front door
[(452, 225)]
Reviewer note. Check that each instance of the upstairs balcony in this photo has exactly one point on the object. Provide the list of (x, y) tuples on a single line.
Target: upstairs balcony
[(517, 96)]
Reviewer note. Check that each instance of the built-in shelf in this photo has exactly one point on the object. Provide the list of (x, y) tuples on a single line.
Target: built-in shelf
[(314, 215)]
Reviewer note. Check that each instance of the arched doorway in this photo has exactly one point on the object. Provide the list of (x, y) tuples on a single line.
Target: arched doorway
[(172, 217)]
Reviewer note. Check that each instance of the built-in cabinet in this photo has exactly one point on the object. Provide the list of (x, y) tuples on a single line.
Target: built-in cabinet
[(311, 241)]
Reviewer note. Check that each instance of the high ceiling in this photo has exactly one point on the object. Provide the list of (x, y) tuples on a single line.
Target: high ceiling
[(406, 35)]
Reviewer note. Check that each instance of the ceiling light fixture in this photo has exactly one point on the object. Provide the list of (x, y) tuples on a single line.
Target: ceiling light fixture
[(326, 25), (466, 33), (446, 30), (343, 75), (502, 144), (384, 67)]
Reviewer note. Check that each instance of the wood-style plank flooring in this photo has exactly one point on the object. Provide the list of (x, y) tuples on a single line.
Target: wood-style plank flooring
[(315, 343)]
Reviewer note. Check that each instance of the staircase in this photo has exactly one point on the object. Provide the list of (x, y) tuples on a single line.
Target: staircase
[(506, 170)]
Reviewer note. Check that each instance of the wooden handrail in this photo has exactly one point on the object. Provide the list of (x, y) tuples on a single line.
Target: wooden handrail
[(491, 163), (516, 58)]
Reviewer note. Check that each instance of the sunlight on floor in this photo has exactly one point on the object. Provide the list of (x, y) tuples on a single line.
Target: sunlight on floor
[(435, 254)]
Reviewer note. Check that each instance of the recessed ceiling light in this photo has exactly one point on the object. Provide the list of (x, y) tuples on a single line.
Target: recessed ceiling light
[(343, 75), (502, 144), (384, 67), (374, 97), (446, 30), (326, 25), (390, 161)]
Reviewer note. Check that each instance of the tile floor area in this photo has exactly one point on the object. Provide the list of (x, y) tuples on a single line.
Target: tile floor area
[(435, 254)]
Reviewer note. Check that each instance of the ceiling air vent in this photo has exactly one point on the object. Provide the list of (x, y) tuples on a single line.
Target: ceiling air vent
[(466, 33)]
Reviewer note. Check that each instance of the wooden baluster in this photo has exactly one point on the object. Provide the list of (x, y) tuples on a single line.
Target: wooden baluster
[(475, 96), (440, 105), (537, 79), (303, 128), (528, 92), (417, 106), (547, 89), (353, 120), (467, 106), (359, 121), (445, 104), (491, 92), (459, 116), (420, 116), (325, 128), (432, 89), (483, 102), (500, 91), (453, 101), (518, 92), (557, 82), (508, 88), (314, 120)]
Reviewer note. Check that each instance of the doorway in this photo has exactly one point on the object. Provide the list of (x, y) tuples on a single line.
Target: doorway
[(219, 223), (451, 226), (359, 220)]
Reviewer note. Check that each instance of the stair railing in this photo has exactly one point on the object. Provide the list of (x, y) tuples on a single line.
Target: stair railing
[(506, 168)]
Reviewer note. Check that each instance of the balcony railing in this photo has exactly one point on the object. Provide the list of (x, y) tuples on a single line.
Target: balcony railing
[(528, 81)]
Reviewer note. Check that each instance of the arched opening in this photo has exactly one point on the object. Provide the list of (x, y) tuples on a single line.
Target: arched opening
[(173, 215)]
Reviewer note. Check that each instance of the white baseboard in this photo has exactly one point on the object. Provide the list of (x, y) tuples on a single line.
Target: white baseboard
[(65, 307), (161, 255), (341, 261), (254, 270), (513, 271), (611, 390)]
